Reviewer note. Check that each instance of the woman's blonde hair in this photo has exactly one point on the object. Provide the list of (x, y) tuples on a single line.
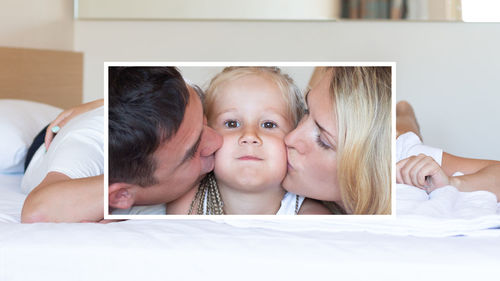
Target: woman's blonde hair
[(290, 92), (362, 98)]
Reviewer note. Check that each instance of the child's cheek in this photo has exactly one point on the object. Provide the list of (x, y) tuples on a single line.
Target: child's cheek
[(279, 155)]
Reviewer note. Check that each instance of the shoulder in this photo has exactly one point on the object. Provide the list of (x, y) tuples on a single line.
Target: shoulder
[(313, 207)]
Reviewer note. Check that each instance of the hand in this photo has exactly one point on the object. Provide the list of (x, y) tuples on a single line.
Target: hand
[(67, 115), (421, 171)]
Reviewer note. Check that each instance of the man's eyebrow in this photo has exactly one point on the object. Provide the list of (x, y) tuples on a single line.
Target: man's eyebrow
[(190, 153)]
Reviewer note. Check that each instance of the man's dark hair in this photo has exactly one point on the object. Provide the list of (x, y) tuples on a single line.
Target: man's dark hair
[(146, 108)]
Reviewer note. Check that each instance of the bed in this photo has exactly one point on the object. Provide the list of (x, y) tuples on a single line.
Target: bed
[(415, 245)]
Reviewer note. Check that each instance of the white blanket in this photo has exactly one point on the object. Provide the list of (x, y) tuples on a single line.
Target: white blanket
[(245, 248), (445, 202), (269, 250)]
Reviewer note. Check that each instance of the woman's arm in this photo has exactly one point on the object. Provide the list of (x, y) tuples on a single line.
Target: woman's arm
[(478, 174), (59, 198), (423, 172), (67, 115)]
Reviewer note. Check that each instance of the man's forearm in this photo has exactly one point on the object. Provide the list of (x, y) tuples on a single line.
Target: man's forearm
[(61, 199)]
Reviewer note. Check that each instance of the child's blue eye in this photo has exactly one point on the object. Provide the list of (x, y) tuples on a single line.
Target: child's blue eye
[(232, 124), (269, 125)]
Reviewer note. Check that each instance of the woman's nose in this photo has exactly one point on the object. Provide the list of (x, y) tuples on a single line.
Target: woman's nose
[(294, 139), (250, 137)]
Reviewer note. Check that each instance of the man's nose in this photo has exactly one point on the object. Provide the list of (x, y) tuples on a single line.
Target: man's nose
[(212, 141)]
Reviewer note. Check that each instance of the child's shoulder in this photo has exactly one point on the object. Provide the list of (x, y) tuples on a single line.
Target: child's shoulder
[(313, 207)]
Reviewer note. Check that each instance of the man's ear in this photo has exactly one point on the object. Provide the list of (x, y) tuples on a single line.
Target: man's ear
[(121, 195)]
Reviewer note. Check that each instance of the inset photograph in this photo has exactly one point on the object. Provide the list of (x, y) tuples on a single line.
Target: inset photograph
[(249, 140)]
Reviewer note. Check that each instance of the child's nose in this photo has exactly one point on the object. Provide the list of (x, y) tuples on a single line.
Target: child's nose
[(250, 137)]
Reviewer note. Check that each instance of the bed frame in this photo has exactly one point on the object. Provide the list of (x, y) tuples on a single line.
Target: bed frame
[(47, 76)]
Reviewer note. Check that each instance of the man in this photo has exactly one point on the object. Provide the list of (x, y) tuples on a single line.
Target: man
[(159, 148)]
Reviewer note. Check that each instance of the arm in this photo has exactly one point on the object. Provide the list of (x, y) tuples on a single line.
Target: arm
[(423, 172), (67, 115), (59, 198), (478, 174)]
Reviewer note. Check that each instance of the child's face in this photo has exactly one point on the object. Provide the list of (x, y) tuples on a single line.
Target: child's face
[(251, 115)]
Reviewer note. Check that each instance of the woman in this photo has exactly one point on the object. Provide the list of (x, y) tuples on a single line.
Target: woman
[(341, 150)]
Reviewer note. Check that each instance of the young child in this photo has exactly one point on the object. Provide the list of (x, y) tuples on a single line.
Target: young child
[(253, 108)]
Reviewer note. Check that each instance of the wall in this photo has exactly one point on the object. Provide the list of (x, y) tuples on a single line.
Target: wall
[(448, 71), (43, 24), (201, 76)]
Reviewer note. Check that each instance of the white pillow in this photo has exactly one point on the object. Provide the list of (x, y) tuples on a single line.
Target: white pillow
[(20, 122)]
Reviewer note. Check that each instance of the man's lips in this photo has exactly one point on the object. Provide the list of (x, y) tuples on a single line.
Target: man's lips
[(249, 157)]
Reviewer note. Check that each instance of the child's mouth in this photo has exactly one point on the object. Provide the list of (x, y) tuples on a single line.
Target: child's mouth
[(249, 157)]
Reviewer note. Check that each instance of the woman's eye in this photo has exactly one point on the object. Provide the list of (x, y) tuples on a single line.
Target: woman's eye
[(232, 124), (269, 125), (322, 143)]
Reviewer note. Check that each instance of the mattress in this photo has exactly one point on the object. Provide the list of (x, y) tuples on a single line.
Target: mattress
[(409, 247), (11, 199)]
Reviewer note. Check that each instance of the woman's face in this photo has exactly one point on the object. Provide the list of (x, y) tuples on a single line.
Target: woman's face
[(312, 148)]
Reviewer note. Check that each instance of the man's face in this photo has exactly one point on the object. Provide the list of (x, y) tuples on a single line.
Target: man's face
[(185, 158)]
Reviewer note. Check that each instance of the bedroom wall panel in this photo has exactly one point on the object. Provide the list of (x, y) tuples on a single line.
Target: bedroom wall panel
[(44, 24), (448, 71)]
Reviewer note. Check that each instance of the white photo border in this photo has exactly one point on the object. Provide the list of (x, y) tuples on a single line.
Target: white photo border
[(222, 218)]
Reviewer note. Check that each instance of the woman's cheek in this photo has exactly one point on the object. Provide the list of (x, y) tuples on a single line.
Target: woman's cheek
[(324, 173)]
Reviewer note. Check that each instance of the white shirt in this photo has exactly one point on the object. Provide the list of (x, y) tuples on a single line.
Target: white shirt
[(76, 151), (409, 144), (287, 206)]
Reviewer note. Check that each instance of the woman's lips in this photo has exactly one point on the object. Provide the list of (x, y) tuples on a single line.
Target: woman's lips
[(249, 157)]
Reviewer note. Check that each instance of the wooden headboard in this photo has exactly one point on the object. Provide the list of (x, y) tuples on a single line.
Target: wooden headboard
[(51, 77)]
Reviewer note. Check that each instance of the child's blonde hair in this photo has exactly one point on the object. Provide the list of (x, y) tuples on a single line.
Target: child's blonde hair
[(362, 97), (290, 92)]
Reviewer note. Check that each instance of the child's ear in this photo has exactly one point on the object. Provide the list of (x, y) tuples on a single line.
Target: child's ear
[(121, 196)]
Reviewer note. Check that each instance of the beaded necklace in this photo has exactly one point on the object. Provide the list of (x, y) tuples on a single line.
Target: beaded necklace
[(215, 206)]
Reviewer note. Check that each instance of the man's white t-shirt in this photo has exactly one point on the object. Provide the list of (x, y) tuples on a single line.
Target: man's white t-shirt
[(77, 151)]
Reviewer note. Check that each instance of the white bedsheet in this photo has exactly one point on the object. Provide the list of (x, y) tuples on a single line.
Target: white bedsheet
[(410, 247), (11, 198), (445, 202), (206, 250)]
